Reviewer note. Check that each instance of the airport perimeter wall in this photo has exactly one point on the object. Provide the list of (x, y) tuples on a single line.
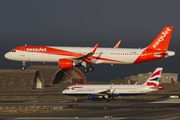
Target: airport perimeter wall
[(165, 78)]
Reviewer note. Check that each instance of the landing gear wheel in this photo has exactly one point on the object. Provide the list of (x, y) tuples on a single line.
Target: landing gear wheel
[(113, 99), (107, 100), (85, 70), (91, 69), (75, 100)]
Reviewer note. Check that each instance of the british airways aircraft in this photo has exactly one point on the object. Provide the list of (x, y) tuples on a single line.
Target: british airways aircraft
[(108, 92), (69, 57)]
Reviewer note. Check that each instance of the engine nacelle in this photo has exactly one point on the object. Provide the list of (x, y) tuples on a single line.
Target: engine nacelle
[(66, 63), (94, 97)]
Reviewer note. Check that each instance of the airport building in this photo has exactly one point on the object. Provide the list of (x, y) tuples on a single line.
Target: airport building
[(38, 76), (165, 78)]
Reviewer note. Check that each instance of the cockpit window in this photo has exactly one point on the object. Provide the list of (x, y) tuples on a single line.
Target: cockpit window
[(13, 50), (67, 88)]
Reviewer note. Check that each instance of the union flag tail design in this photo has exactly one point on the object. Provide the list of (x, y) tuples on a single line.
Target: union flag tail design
[(154, 78), (161, 42)]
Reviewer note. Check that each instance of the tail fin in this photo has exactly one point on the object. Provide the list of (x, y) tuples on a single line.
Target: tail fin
[(117, 45), (161, 42), (154, 78)]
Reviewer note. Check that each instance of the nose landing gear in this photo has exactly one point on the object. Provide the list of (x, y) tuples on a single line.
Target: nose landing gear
[(24, 64)]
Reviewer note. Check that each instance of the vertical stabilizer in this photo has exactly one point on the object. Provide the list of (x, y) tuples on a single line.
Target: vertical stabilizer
[(161, 42), (154, 78)]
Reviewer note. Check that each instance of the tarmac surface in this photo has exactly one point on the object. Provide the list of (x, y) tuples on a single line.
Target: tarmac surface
[(138, 109)]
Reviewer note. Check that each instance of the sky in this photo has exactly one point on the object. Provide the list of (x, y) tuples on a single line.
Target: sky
[(86, 23)]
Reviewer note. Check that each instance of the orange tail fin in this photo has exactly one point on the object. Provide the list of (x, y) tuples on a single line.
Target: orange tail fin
[(161, 42), (117, 45)]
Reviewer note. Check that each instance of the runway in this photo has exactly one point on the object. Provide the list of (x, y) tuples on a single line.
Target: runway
[(119, 109)]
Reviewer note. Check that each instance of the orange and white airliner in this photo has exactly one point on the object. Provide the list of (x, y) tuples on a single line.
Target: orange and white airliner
[(69, 57)]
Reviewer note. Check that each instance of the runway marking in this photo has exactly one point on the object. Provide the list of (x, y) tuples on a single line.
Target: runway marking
[(167, 101), (103, 111), (129, 113), (166, 115), (104, 101), (46, 118), (62, 101)]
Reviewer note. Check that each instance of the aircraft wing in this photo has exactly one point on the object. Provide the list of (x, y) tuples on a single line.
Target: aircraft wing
[(88, 57), (106, 92)]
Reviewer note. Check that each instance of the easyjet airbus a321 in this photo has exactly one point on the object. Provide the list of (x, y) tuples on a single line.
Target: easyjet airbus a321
[(69, 57)]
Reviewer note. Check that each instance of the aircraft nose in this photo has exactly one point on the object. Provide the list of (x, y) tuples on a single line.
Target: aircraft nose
[(63, 92), (7, 55)]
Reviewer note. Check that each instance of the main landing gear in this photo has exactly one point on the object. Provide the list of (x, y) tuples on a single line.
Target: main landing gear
[(108, 99), (90, 69), (85, 70)]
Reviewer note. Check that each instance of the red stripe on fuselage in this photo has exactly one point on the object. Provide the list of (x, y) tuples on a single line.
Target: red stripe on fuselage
[(77, 87), (148, 55), (53, 51), (100, 58), (47, 50)]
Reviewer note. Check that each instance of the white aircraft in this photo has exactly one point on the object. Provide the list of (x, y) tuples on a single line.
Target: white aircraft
[(108, 92), (69, 57)]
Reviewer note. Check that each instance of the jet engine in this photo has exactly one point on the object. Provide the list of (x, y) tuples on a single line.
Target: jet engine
[(66, 63), (94, 97)]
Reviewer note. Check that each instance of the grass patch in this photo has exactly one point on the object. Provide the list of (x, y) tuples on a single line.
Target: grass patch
[(175, 90), (48, 97)]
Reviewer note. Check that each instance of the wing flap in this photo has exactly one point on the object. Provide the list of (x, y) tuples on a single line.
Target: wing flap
[(88, 57), (106, 92)]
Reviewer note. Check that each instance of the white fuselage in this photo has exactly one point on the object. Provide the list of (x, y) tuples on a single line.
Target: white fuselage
[(116, 90), (102, 55), (53, 54)]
